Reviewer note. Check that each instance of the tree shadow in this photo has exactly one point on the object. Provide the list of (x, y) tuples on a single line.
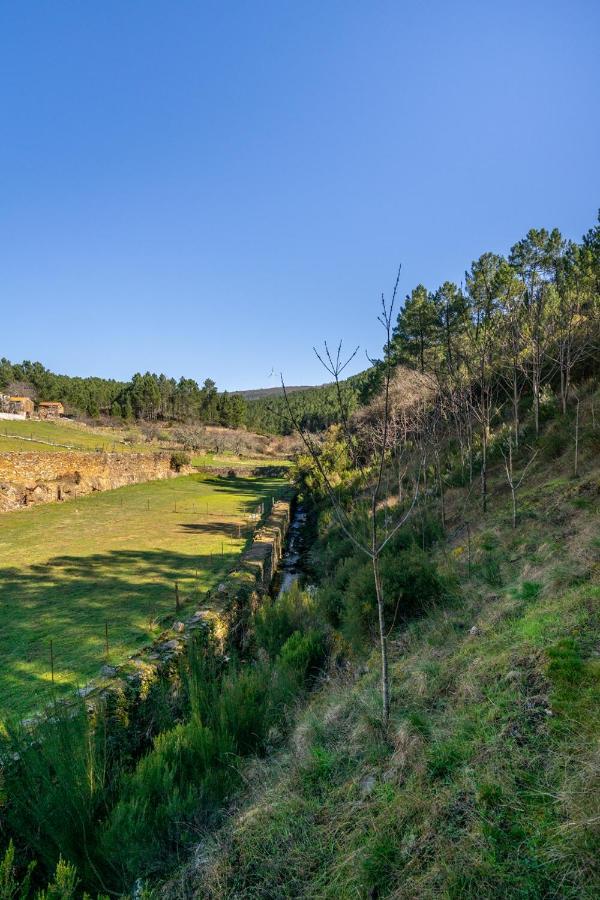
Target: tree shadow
[(74, 601)]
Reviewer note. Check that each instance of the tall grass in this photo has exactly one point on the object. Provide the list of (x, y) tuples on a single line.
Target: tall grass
[(77, 791)]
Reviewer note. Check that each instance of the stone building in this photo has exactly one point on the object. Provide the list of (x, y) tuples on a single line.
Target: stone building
[(50, 409), (21, 405)]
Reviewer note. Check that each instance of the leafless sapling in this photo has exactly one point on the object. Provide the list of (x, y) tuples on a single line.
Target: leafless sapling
[(371, 469)]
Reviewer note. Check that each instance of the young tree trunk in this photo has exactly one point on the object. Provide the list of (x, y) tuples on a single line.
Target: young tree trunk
[(484, 468), (385, 687), (516, 405), (576, 467)]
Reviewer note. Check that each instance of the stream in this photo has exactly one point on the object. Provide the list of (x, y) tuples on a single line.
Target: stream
[(291, 566)]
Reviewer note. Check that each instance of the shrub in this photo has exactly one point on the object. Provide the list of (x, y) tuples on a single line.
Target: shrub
[(162, 801), (245, 709), (57, 788), (489, 567), (277, 620), (303, 654), (411, 584), (179, 459), (12, 887), (556, 439)]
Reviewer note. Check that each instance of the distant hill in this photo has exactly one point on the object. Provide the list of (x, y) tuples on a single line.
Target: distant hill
[(261, 393)]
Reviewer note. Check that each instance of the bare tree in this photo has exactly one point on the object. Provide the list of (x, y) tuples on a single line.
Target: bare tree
[(576, 461), (371, 467), (510, 476)]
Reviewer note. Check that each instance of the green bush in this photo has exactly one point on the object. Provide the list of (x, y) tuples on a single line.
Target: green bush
[(162, 802), (57, 787), (276, 620), (190, 770), (303, 654), (179, 459), (411, 584), (12, 885), (555, 440), (245, 707)]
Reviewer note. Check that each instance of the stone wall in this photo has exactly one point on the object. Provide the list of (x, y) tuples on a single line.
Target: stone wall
[(29, 477)]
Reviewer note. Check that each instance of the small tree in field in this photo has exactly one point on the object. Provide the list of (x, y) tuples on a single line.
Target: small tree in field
[(370, 457), (513, 483)]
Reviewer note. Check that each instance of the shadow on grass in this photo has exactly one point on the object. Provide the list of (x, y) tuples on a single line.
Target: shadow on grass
[(72, 600)]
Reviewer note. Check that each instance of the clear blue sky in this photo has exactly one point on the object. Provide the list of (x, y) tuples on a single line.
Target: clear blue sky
[(209, 188)]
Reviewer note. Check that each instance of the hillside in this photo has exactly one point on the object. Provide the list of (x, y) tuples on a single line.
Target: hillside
[(262, 393), (417, 716), (486, 783)]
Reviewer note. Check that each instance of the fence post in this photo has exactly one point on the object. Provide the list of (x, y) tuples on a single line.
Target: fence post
[(176, 597)]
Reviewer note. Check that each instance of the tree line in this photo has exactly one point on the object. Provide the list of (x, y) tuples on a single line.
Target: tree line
[(152, 397), (482, 362), (149, 396)]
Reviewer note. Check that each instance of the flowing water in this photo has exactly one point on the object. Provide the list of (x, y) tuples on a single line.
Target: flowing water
[(291, 565)]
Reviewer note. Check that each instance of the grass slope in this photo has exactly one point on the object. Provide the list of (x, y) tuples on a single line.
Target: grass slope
[(57, 436), (488, 781), (67, 569)]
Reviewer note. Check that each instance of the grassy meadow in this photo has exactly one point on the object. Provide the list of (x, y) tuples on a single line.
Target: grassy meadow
[(59, 435), (114, 557)]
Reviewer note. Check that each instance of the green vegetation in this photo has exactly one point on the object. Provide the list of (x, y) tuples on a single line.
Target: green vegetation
[(152, 397), (314, 409), (485, 782), (455, 529), (68, 569), (116, 817)]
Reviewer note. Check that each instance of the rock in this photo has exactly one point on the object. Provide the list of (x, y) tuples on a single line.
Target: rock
[(86, 691), (170, 645), (366, 785), (514, 675), (222, 587), (474, 630), (178, 627), (108, 671)]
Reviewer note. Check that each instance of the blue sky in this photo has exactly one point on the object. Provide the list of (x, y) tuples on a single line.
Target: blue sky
[(209, 189)]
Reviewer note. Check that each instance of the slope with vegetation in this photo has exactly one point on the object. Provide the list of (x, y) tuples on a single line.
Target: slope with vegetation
[(485, 782), (455, 522)]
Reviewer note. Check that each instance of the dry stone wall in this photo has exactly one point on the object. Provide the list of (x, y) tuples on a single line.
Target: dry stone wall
[(32, 477)]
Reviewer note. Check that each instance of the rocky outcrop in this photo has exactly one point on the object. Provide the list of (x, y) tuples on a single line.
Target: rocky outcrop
[(28, 478)]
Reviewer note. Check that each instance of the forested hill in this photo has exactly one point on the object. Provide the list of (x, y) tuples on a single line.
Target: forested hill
[(151, 397), (261, 393), (312, 409)]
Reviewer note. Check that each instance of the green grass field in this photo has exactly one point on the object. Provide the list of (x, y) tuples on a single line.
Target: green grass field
[(68, 569), (56, 436)]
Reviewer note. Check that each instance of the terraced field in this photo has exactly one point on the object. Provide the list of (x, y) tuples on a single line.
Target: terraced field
[(47, 436), (71, 572)]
